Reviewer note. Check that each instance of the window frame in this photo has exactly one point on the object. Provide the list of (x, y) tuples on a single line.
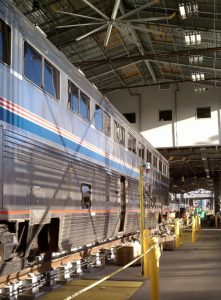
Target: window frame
[(78, 112), (43, 65), (69, 107), (122, 131), (129, 135), (103, 112), (149, 156), (155, 161), (90, 195), (204, 107), (166, 110), (131, 115), (10, 40), (141, 150)]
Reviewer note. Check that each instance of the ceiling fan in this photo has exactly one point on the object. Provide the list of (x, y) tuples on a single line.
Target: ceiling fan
[(114, 21)]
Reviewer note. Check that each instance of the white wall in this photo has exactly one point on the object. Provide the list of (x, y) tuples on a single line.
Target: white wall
[(185, 129)]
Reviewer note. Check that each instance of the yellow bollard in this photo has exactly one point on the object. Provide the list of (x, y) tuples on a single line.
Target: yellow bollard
[(187, 221), (177, 232), (146, 260), (216, 221), (196, 222), (154, 270), (193, 230), (199, 222)]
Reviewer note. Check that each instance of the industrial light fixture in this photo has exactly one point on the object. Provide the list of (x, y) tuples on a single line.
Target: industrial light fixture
[(182, 11), (192, 37), (188, 9), (198, 89), (196, 59), (198, 76)]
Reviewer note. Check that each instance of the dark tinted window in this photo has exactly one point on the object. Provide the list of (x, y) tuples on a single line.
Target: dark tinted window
[(98, 117), (141, 150), (203, 112), (106, 123), (155, 161), (165, 115), (5, 43), (149, 156), (131, 143), (73, 101), (51, 79), (119, 133), (131, 117), (84, 105), (32, 65), (86, 196)]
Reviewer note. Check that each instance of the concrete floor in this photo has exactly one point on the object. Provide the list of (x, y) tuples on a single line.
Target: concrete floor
[(192, 272)]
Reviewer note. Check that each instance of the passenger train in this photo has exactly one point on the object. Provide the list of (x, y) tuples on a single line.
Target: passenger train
[(69, 161)]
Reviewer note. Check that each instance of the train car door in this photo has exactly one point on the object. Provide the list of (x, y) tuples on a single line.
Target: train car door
[(122, 203)]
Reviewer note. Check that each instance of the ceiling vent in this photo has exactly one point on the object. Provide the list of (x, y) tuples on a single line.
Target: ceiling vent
[(164, 86)]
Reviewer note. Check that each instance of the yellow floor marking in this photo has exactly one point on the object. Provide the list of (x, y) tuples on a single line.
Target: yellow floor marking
[(108, 290)]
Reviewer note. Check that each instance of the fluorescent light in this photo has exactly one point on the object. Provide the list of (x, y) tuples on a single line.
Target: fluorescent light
[(187, 39), (182, 11), (198, 76), (193, 76), (200, 58), (195, 8), (188, 8), (191, 59), (202, 76), (198, 38), (192, 38)]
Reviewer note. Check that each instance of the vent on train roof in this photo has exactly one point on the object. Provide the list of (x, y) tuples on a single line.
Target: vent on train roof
[(164, 86)]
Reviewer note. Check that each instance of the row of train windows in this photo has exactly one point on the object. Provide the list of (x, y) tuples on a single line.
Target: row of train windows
[(45, 75)]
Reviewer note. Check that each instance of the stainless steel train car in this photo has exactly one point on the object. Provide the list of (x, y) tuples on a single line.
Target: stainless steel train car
[(69, 161)]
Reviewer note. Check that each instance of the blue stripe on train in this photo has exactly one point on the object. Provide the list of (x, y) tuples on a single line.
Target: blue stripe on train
[(22, 123)]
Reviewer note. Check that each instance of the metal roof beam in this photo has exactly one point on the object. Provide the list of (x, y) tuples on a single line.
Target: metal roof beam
[(149, 56), (139, 45)]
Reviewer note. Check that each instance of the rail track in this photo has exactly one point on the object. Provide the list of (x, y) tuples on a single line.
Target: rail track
[(42, 275)]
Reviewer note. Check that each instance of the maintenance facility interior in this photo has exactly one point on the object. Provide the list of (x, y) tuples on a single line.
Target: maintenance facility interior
[(159, 63), (146, 57)]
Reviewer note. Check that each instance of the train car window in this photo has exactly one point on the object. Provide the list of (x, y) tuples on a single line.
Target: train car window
[(98, 117), (164, 170), (86, 196), (119, 133), (84, 105), (51, 79), (154, 161), (106, 123), (141, 150), (131, 143), (149, 156), (5, 43), (40, 71), (73, 100), (32, 65)]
